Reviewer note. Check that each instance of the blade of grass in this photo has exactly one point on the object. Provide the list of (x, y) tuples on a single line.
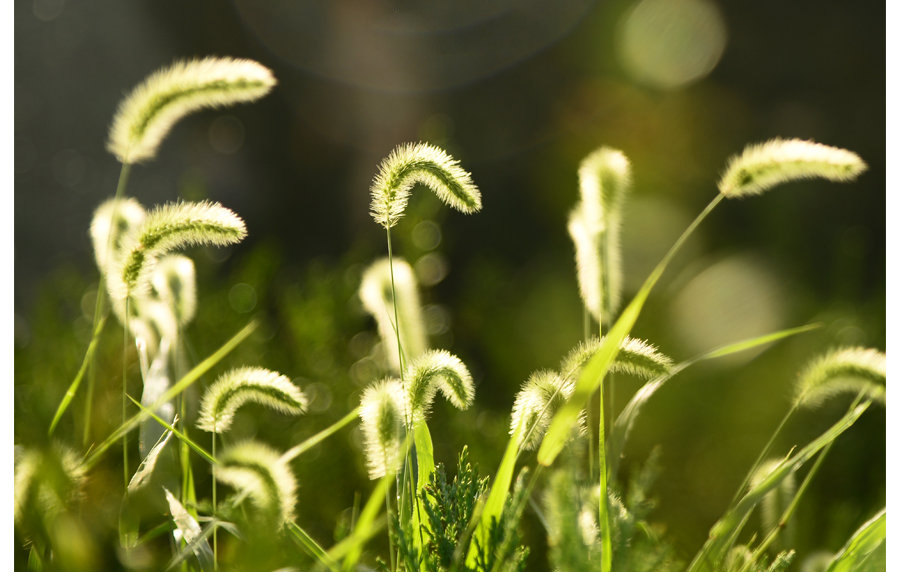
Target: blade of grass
[(181, 436), (724, 532), (311, 442), (591, 378), (192, 376), (625, 421), (311, 547), (866, 544), (73, 387), (367, 526)]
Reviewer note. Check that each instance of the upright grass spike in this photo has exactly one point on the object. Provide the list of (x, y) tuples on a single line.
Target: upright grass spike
[(383, 414), (854, 370), (604, 177), (174, 281), (258, 471), (239, 386), (413, 163), (375, 293), (147, 114), (166, 228), (129, 214), (763, 166), (541, 395), (437, 370), (636, 357)]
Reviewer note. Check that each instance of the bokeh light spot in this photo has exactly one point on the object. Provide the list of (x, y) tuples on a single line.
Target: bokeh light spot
[(671, 43)]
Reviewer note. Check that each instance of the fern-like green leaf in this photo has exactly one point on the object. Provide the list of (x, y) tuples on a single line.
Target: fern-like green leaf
[(166, 228), (242, 385), (413, 163), (763, 166), (258, 471), (843, 370), (375, 293), (383, 415), (147, 114)]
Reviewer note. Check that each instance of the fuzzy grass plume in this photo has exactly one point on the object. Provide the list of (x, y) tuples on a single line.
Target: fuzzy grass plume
[(763, 166), (383, 410), (375, 293), (147, 114), (258, 471), (174, 281), (239, 386), (541, 395), (122, 217), (604, 178), (166, 228), (843, 370), (438, 370), (423, 163), (636, 357)]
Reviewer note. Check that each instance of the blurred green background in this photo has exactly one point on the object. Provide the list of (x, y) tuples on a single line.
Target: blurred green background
[(519, 92)]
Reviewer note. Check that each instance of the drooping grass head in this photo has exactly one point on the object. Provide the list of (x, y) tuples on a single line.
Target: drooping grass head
[(147, 114), (423, 163)]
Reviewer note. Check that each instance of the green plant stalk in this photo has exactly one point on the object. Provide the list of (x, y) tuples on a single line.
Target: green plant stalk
[(209, 457), (789, 511), (762, 455), (125, 394), (98, 322), (311, 442), (91, 457), (724, 532), (605, 528), (594, 371), (312, 547), (215, 508)]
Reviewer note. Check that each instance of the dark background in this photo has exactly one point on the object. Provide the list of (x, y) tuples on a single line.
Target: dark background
[(519, 92)]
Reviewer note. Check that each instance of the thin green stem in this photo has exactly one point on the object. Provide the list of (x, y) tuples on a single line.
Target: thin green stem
[(100, 304), (605, 528), (762, 456), (125, 394), (214, 508), (792, 507)]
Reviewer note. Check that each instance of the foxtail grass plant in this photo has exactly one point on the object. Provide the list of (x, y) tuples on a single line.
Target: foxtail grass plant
[(563, 454)]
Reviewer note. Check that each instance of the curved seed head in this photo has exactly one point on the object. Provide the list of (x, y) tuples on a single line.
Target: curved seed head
[(843, 370), (45, 480), (540, 397), (247, 384), (167, 228), (147, 114), (375, 293), (636, 357), (257, 470), (438, 370), (123, 216), (423, 163), (383, 419), (763, 166)]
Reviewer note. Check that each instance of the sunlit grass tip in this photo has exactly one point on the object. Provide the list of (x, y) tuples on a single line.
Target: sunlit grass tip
[(843, 370), (247, 384), (763, 166), (375, 294), (383, 413), (147, 114), (604, 178), (412, 163), (438, 370), (128, 213), (257, 470), (166, 228), (536, 402)]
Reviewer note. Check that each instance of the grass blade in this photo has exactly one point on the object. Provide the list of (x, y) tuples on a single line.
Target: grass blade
[(625, 421), (145, 469), (724, 532), (184, 438), (308, 444), (866, 549), (192, 376)]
